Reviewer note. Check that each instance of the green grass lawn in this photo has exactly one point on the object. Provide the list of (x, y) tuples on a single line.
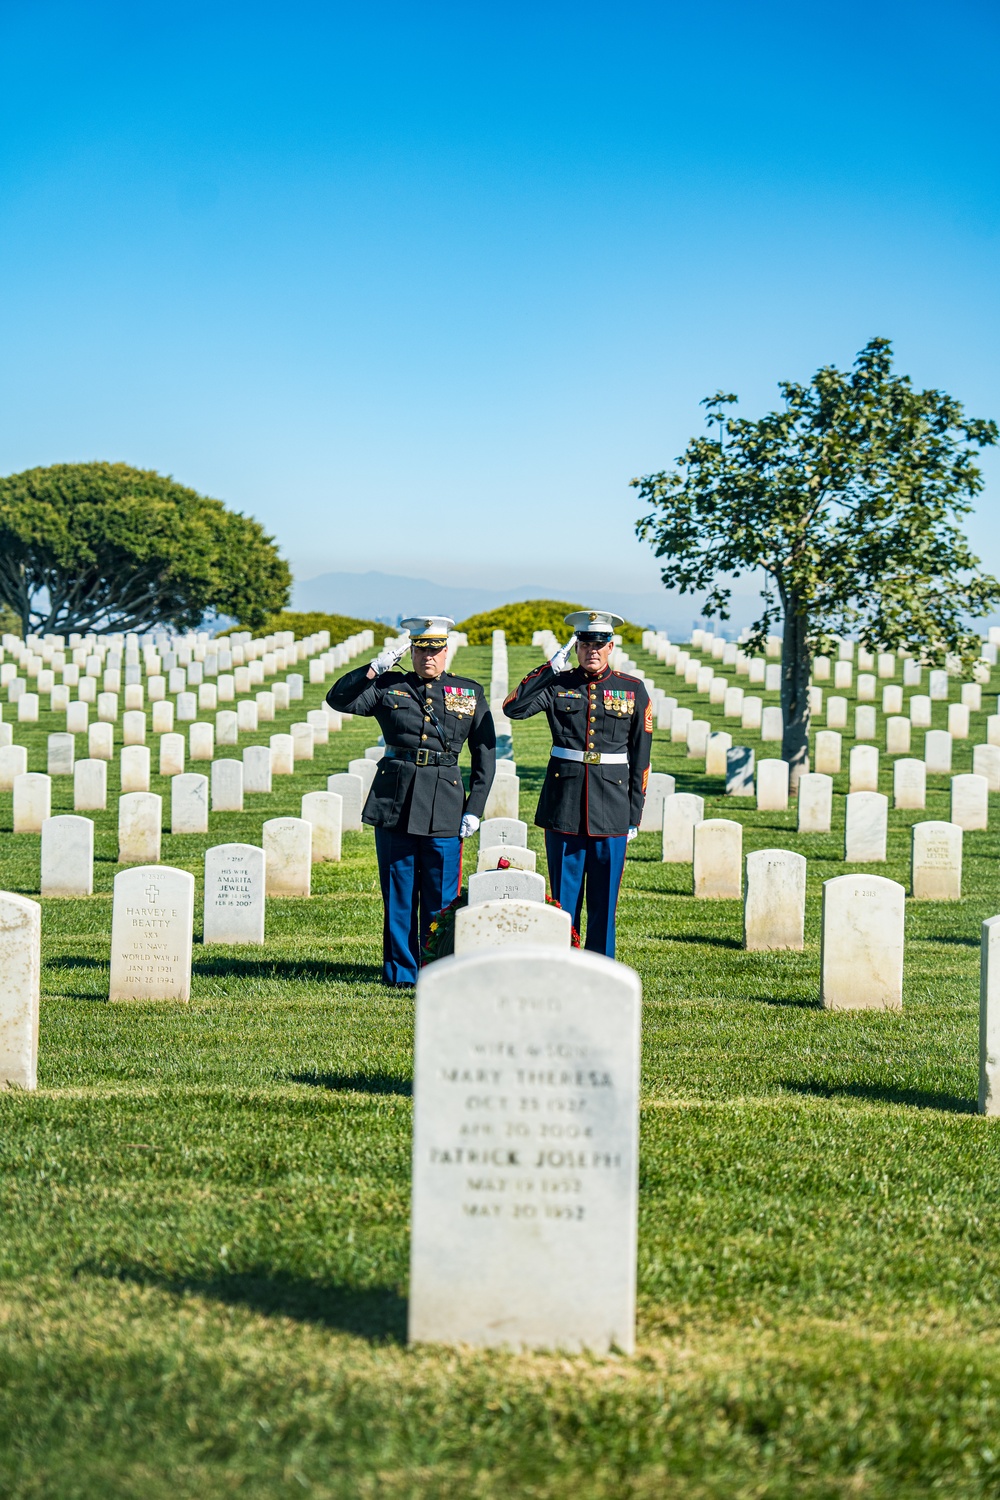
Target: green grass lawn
[(203, 1210)]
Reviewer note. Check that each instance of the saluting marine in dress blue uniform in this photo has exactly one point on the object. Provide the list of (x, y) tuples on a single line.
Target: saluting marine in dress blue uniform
[(595, 784), (418, 804)]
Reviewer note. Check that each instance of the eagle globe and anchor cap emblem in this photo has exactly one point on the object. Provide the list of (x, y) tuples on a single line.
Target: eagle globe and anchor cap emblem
[(594, 625)]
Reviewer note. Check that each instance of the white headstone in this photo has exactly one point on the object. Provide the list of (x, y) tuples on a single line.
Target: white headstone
[(828, 746), (61, 754), (171, 754), (189, 803), (861, 958), (151, 926), (909, 784), (288, 848), (740, 768), (716, 753), (325, 811), (133, 728), (892, 699), (865, 726), (772, 726), (282, 755), (864, 768), (989, 1016), (506, 885), (682, 811), (101, 742), (493, 924), (500, 1254), (970, 801), (234, 894), (866, 827), (77, 717), (504, 798), (503, 831), (938, 686), (135, 768), (717, 866), (20, 985), (936, 862), (227, 786), (187, 708), (27, 708), (660, 785), (32, 801), (774, 907), (90, 786), (772, 786), (920, 711), (958, 721), (246, 716), (227, 730), (140, 816), (201, 741), (257, 770), (163, 717), (68, 856), (836, 713), (986, 762), (350, 789), (302, 742), (937, 752), (815, 802), (867, 684), (897, 736), (107, 707)]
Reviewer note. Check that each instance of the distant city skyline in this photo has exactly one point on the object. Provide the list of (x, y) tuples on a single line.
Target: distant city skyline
[(422, 288)]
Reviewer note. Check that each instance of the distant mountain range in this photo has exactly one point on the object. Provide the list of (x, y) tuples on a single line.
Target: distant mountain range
[(386, 596)]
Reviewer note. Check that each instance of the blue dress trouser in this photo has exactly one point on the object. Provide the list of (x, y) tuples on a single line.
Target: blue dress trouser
[(419, 876), (579, 864)]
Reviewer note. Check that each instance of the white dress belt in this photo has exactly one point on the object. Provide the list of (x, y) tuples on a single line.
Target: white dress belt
[(589, 757)]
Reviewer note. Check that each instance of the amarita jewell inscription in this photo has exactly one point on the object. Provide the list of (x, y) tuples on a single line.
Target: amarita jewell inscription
[(525, 1144)]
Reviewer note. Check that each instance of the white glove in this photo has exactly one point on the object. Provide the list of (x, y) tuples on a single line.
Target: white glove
[(469, 825), (633, 833), (560, 662), (390, 655)]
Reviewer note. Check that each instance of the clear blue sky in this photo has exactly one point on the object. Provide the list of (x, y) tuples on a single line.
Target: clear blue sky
[(422, 286)]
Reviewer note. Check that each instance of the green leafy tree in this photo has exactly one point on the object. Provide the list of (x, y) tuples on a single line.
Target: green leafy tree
[(848, 500), (107, 547)]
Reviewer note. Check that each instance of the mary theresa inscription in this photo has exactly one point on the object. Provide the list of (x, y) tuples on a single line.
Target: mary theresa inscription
[(525, 1144)]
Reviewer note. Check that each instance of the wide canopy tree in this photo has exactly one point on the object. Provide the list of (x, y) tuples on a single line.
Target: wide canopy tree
[(103, 546), (848, 500)]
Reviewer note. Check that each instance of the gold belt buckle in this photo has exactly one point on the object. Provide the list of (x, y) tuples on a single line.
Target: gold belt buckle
[(592, 757), (423, 758)]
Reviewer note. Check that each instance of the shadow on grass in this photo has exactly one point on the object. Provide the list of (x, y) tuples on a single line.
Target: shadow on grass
[(709, 942), (291, 968), (883, 1094), (958, 942), (356, 1083), (75, 961), (374, 1313), (803, 1002)]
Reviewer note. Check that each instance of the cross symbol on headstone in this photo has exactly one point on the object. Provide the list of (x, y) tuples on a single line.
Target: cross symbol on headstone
[(152, 893), (503, 837)]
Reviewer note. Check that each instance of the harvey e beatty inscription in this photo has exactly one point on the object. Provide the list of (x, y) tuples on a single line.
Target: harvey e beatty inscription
[(525, 1147), (151, 926)]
